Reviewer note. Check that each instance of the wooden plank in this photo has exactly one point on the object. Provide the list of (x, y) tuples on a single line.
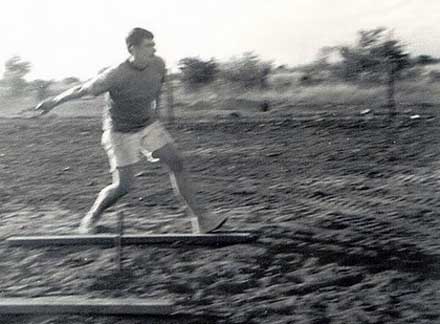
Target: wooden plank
[(82, 305), (127, 239)]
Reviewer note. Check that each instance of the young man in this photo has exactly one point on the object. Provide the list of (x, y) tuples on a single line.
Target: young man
[(131, 128)]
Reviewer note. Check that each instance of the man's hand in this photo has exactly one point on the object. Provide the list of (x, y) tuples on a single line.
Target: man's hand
[(46, 105)]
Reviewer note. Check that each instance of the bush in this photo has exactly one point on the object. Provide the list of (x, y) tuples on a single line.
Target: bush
[(13, 78), (248, 71), (196, 72), (283, 81)]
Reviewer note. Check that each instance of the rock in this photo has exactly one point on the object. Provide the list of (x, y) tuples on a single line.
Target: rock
[(264, 106), (234, 115), (274, 154), (365, 111)]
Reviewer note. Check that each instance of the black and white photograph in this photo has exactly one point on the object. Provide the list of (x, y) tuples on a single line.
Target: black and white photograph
[(230, 162)]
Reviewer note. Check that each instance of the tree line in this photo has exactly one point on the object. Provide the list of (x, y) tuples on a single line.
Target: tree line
[(375, 57)]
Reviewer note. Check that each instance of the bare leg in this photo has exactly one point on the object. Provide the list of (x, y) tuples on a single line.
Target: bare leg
[(185, 190), (122, 179)]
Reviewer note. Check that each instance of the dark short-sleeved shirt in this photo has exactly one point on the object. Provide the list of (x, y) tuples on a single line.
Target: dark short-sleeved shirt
[(130, 94)]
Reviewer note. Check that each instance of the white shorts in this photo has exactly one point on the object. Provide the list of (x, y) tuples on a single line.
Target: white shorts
[(124, 149)]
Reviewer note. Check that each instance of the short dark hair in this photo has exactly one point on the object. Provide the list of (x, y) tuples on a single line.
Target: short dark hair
[(137, 35)]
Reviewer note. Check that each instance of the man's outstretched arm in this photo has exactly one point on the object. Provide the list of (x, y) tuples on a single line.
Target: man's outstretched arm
[(73, 93)]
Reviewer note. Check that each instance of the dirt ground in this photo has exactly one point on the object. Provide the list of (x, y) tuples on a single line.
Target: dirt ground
[(345, 210)]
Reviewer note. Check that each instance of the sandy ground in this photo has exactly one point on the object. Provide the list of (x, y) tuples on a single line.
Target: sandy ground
[(345, 209)]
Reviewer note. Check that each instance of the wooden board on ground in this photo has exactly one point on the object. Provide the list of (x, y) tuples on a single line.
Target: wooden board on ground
[(217, 239), (82, 305)]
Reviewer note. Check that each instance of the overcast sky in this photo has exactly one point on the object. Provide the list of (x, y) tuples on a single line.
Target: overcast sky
[(79, 37)]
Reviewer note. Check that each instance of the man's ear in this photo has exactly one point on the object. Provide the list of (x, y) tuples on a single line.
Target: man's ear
[(130, 49)]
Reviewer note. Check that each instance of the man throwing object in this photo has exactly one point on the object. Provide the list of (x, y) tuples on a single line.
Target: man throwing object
[(131, 128)]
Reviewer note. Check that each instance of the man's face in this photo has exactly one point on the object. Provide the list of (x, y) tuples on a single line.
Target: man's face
[(145, 50)]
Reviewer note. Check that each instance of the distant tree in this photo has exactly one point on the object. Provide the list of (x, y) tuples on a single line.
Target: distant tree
[(15, 71), (249, 71), (16, 67), (196, 72), (425, 60), (376, 53), (325, 68)]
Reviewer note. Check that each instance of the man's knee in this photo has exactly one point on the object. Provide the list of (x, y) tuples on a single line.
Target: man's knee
[(122, 180), (117, 189), (123, 188)]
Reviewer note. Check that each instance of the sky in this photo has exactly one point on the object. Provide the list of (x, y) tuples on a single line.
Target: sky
[(79, 37)]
